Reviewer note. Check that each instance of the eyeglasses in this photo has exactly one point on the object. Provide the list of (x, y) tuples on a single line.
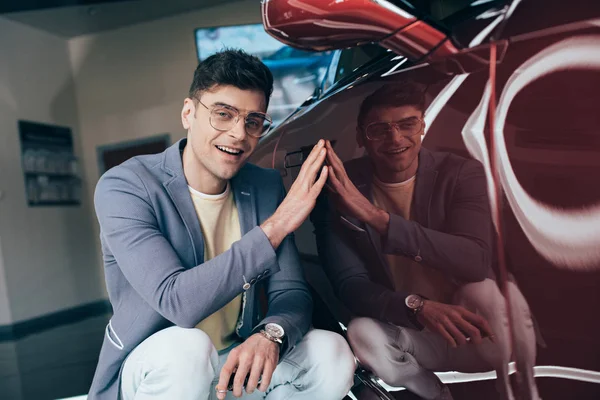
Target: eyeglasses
[(224, 118), (384, 130)]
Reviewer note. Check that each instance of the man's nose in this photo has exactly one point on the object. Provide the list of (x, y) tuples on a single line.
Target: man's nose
[(238, 130), (396, 136)]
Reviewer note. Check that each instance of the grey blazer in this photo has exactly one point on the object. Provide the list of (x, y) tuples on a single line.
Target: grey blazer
[(153, 253)]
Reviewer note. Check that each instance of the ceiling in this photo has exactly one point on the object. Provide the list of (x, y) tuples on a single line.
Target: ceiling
[(70, 18)]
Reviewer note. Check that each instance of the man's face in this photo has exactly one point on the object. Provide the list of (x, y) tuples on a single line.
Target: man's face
[(395, 151), (221, 153)]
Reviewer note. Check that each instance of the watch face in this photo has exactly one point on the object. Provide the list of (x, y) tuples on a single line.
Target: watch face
[(414, 301), (274, 330)]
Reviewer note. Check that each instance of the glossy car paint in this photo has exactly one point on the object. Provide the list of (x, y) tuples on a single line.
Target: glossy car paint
[(547, 146)]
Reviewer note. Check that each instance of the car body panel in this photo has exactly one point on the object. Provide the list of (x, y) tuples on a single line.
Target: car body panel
[(548, 159)]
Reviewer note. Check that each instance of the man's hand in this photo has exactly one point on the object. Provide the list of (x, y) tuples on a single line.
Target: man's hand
[(301, 198), (257, 356), (455, 323), (349, 199)]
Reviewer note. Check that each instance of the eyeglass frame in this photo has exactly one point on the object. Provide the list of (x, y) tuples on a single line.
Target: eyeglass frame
[(237, 118), (394, 124)]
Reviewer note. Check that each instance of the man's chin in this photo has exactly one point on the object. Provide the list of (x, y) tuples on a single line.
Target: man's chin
[(228, 172)]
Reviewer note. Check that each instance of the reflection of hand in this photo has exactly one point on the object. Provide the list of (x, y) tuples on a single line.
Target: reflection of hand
[(301, 198), (349, 199), (257, 356), (455, 323)]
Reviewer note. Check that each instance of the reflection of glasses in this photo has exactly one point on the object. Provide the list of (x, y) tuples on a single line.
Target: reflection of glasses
[(384, 130), (224, 117)]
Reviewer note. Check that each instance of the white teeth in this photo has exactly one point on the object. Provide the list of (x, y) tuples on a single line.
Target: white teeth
[(402, 150), (229, 150)]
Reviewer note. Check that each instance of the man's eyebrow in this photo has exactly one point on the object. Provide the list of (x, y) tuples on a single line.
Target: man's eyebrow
[(408, 119), (225, 105), (234, 108)]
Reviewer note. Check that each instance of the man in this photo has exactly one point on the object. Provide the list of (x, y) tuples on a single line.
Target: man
[(408, 249), (190, 237)]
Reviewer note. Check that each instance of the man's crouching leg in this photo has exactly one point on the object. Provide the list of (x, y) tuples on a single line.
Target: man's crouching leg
[(401, 357), (321, 366), (175, 363)]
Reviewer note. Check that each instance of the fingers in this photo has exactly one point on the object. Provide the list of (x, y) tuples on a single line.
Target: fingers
[(332, 156), (335, 182), (255, 373), (459, 338), (226, 372), (441, 329), (335, 163), (471, 331), (313, 162), (318, 186), (480, 323), (267, 374), (240, 376)]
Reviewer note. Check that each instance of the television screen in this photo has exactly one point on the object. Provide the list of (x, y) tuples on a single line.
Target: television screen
[(296, 72)]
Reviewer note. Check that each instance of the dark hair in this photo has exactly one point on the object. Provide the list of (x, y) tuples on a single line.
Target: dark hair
[(399, 94), (232, 67)]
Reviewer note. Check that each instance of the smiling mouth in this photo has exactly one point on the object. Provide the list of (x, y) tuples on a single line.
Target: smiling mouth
[(230, 150), (397, 151)]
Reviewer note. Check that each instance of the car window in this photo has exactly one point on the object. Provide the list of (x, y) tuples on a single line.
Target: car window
[(345, 62), (352, 59)]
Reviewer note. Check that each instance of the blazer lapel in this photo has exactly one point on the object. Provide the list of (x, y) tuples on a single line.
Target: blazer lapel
[(246, 204), (178, 190), (424, 185), (364, 183)]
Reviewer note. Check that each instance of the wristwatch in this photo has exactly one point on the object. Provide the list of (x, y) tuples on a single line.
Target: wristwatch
[(414, 303), (274, 332)]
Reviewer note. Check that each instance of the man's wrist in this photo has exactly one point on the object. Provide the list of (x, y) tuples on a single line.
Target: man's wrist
[(274, 230), (380, 220), (414, 306)]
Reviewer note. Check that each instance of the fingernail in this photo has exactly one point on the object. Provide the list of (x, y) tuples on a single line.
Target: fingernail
[(320, 142), (322, 151)]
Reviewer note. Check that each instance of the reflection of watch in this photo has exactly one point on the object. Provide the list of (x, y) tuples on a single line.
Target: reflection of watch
[(273, 332), (414, 302)]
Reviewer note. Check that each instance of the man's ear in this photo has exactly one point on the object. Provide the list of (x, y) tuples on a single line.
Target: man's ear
[(360, 137), (188, 113)]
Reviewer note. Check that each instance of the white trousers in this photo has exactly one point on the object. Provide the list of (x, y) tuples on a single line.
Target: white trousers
[(406, 357), (183, 364)]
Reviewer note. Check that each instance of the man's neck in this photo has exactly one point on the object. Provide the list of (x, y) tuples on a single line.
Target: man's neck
[(387, 176), (198, 177)]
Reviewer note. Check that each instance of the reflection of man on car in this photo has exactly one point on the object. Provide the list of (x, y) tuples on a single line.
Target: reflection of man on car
[(409, 251)]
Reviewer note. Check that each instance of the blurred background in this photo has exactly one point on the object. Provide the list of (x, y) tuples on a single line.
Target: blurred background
[(84, 85)]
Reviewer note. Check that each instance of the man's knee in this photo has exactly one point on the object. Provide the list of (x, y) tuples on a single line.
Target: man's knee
[(334, 362), (393, 364), (366, 336), (177, 361), (189, 351), (483, 297), (519, 306)]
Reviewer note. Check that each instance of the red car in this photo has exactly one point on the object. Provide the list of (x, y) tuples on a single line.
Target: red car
[(543, 155)]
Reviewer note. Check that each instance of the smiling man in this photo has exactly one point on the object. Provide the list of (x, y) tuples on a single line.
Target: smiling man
[(408, 249), (191, 237)]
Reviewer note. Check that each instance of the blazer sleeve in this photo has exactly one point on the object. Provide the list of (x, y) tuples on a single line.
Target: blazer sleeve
[(289, 298), (348, 273), (185, 297), (464, 248)]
